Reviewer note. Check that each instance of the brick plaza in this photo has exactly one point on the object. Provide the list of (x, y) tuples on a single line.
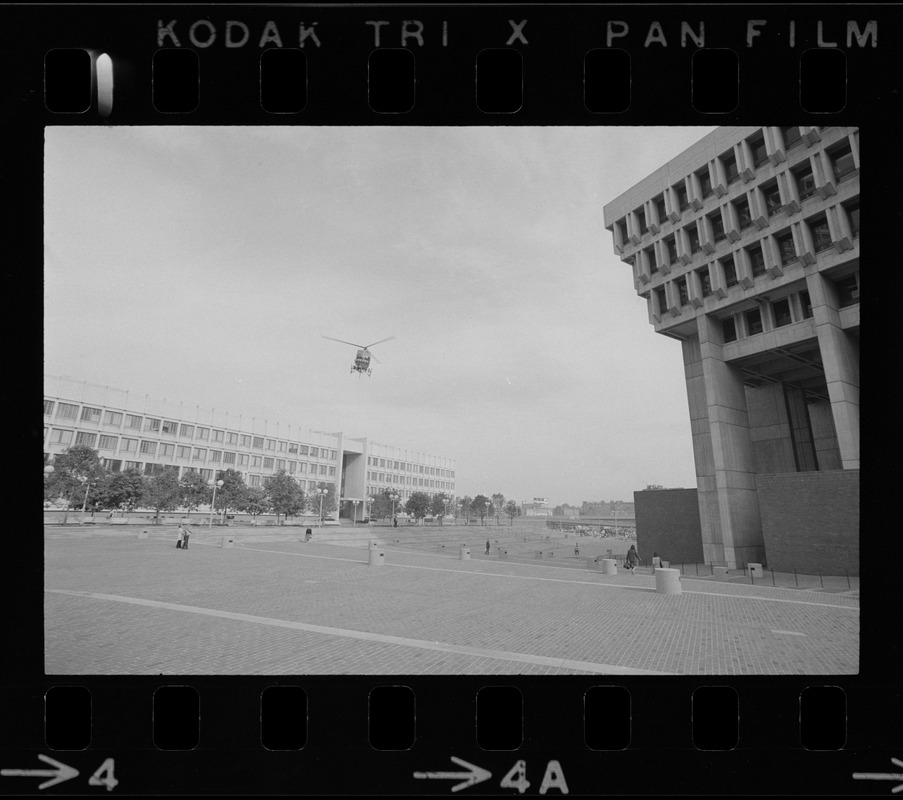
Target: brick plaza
[(118, 604)]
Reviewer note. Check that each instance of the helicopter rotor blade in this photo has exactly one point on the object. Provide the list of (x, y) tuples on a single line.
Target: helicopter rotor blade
[(374, 358), (379, 342), (344, 342)]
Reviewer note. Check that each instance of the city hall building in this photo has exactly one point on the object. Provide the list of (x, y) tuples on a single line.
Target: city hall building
[(745, 248), (136, 432)]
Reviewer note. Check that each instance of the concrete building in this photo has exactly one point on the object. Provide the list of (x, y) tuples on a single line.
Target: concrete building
[(745, 248), (136, 431), (539, 507)]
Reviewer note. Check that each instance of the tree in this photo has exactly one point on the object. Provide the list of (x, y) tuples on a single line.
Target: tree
[(255, 501), (162, 492), (498, 502), (512, 509), (284, 494), (466, 508), (75, 471), (330, 502), (437, 507), (194, 491), (122, 490), (381, 507), (232, 493), (418, 505), (479, 507)]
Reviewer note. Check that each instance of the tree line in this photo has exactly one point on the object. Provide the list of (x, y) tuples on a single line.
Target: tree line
[(80, 480)]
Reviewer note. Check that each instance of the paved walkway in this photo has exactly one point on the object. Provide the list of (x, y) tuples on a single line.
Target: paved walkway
[(116, 604)]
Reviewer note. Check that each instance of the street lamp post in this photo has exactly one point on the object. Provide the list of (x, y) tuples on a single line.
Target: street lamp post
[(488, 503), (393, 497), (215, 485), (322, 493), (445, 503), (370, 501), (355, 502)]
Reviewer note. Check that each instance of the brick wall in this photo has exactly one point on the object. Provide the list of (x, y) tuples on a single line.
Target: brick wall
[(810, 521), (667, 521)]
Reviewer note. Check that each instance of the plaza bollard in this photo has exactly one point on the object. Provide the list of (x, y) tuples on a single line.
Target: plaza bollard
[(377, 556), (464, 553), (142, 534), (719, 573), (609, 566), (667, 581), (228, 541)]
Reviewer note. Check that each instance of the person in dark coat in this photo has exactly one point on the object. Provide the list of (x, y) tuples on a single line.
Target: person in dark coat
[(632, 560), (395, 522), (487, 547), (308, 533)]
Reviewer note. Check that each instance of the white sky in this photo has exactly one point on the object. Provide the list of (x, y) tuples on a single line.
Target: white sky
[(204, 265)]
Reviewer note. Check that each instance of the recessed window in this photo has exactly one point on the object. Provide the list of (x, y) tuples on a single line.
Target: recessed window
[(730, 271), (267, 462), (650, 259), (705, 181), (660, 208), (705, 281), (693, 236), (232, 438), (258, 442), (271, 444), (847, 291), (662, 300), (756, 259), (60, 437), (781, 309), (229, 458), (166, 450), (200, 454), (671, 247), (744, 217), (842, 162), (86, 439), (682, 200), (169, 427), (255, 461), (805, 181), (187, 431), (682, 292), (759, 152), (245, 440), (729, 330), (791, 135), (729, 162), (772, 198), (806, 305), (218, 436), (852, 212), (622, 229), (641, 218), (184, 452), (107, 443), (821, 233), (786, 248), (129, 445), (66, 411), (203, 433), (48, 408), (717, 226), (216, 455), (753, 321), (149, 448), (149, 424)]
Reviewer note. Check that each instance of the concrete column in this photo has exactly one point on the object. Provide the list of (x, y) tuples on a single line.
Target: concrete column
[(737, 530), (840, 358)]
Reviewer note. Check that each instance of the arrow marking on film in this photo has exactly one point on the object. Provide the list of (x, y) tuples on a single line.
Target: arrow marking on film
[(473, 775), (61, 773), (883, 776)]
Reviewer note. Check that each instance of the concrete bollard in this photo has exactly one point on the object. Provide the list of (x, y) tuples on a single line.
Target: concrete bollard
[(719, 573), (377, 556), (667, 581), (609, 566), (142, 534), (228, 541), (464, 553)]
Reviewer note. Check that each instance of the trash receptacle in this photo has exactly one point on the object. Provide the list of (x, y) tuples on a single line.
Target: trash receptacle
[(755, 570), (464, 553), (609, 566), (377, 555), (667, 581)]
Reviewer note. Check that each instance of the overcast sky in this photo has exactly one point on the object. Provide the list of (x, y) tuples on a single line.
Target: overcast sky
[(205, 265)]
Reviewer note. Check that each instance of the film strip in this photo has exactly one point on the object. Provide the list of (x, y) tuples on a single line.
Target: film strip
[(424, 729)]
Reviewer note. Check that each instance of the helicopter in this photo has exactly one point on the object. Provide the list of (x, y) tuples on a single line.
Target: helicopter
[(362, 359)]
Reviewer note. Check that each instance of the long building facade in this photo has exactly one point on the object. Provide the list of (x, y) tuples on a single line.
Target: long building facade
[(138, 432), (745, 248)]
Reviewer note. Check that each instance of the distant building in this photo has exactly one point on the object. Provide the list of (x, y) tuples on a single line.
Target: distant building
[(745, 248), (567, 511), (538, 508), (131, 431)]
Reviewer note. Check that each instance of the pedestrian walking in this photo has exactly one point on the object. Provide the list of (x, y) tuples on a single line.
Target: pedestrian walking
[(181, 537), (656, 561), (395, 522), (576, 549), (185, 534), (307, 534), (487, 547), (632, 560)]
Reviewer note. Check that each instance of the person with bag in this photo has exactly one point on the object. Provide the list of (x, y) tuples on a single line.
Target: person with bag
[(656, 561), (632, 560), (180, 541)]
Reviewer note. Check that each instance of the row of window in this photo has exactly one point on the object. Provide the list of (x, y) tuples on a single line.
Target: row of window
[(120, 420), (404, 466), (804, 180), (403, 494), (837, 227), (407, 480)]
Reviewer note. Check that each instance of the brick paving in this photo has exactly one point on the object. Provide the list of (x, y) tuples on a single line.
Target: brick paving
[(116, 604)]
